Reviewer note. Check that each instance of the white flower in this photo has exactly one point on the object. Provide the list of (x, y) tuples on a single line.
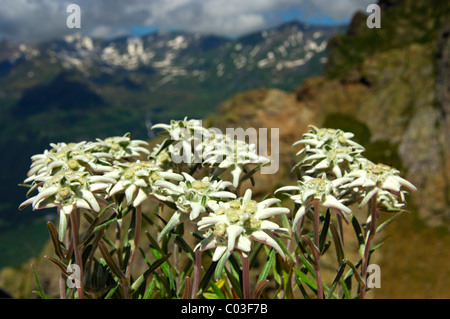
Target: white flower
[(371, 178), (318, 137), (118, 148), (136, 180), (232, 225), (180, 130), (225, 153), (327, 159), (315, 190), (67, 190), (327, 150), (62, 156), (191, 197)]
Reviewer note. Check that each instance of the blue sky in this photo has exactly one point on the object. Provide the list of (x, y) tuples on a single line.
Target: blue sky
[(37, 20)]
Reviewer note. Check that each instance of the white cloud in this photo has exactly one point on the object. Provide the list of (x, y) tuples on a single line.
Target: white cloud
[(27, 20)]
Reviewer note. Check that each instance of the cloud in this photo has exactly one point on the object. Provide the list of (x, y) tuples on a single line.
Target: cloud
[(37, 20)]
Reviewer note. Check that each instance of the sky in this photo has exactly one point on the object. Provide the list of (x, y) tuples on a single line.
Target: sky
[(41, 20)]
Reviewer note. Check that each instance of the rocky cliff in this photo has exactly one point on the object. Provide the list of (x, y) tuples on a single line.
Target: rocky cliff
[(391, 87)]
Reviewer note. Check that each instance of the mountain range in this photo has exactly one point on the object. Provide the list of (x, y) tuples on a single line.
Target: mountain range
[(80, 88)]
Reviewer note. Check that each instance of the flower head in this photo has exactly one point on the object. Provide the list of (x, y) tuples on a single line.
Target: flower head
[(233, 224), (328, 151), (137, 179), (118, 148), (180, 130), (67, 190), (225, 152), (376, 180), (310, 191)]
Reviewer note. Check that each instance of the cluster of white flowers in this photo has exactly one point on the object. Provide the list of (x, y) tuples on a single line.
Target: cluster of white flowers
[(336, 175), (233, 224), (189, 140), (73, 175), (89, 175), (328, 151)]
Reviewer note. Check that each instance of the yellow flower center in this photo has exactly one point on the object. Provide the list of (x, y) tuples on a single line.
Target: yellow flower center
[(64, 192), (234, 214), (129, 173), (73, 164), (155, 177), (199, 184), (253, 223), (220, 230), (250, 207)]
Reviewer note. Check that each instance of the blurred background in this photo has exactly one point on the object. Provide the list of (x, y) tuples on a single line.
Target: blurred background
[(260, 63)]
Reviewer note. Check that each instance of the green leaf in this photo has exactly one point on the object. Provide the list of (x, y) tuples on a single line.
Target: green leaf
[(304, 278), (324, 232), (40, 292), (110, 262), (356, 273), (387, 222), (208, 275), (337, 243), (220, 266), (251, 172), (209, 295), (235, 283), (111, 292), (337, 279), (284, 248), (185, 246), (149, 292), (359, 234), (54, 237), (300, 287), (267, 266), (254, 254), (217, 290)]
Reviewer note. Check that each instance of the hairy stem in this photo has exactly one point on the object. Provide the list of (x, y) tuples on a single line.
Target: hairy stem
[(197, 273), (369, 239), (245, 277), (317, 255), (74, 219), (137, 234)]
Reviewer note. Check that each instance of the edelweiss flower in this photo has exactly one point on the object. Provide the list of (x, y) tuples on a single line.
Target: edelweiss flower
[(180, 130), (328, 159), (318, 137), (315, 190), (327, 150), (161, 157), (372, 178), (62, 156), (67, 190), (191, 196), (182, 138), (137, 180), (234, 154), (118, 148), (234, 224)]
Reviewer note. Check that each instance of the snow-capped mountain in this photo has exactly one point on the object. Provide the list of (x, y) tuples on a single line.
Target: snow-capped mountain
[(82, 88)]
